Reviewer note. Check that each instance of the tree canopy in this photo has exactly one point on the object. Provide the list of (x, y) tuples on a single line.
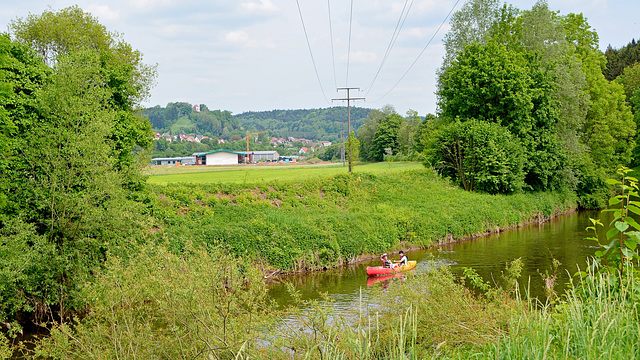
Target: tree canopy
[(72, 143)]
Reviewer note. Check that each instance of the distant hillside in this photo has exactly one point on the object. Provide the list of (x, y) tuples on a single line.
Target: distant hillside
[(313, 124)]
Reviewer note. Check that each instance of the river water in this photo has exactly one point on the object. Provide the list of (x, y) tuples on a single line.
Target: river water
[(562, 238)]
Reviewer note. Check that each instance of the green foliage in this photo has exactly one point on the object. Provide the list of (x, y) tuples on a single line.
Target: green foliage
[(70, 161), (620, 59), (165, 305), (620, 247), (385, 139), (474, 22), (327, 221), (591, 321), (353, 149), (495, 84), (480, 156), (126, 79)]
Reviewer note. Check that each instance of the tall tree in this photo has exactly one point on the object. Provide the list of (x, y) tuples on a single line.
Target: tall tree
[(385, 140), (472, 23), (608, 129), (495, 84), (128, 79), (69, 166)]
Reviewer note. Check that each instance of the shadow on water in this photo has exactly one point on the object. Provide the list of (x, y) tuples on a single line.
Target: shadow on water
[(562, 238)]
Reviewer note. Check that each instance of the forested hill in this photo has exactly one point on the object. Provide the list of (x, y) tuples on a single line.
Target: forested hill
[(315, 124), (325, 124)]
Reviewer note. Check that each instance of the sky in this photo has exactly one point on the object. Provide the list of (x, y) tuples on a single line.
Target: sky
[(253, 55)]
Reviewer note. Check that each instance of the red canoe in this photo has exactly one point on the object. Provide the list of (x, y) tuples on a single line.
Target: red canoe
[(381, 270)]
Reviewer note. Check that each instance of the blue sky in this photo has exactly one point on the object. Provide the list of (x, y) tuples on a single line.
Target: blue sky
[(251, 55)]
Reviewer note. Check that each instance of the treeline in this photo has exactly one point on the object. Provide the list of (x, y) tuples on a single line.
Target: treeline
[(328, 124), (619, 59), (181, 118)]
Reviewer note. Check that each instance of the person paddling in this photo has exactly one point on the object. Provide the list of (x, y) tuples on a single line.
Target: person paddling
[(403, 259), (386, 262)]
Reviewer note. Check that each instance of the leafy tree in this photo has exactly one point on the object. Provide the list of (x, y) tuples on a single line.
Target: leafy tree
[(353, 149), (330, 153), (408, 131), (385, 139), (494, 84), (472, 23), (481, 156), (366, 133), (128, 79), (425, 133), (70, 162), (608, 128)]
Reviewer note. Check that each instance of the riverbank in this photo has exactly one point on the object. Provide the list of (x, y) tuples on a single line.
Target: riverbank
[(321, 223)]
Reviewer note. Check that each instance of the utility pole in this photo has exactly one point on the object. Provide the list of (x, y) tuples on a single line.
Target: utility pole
[(349, 99)]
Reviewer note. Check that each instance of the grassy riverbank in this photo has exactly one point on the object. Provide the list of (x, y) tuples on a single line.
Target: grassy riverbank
[(327, 221)]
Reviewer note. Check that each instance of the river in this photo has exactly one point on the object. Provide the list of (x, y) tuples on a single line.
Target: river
[(562, 238)]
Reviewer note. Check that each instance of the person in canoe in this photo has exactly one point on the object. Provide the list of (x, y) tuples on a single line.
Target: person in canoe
[(403, 259), (386, 262)]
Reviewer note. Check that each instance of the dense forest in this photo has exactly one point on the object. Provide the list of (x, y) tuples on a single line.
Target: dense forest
[(328, 124)]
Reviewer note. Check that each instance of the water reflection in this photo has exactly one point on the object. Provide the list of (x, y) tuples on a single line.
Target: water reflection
[(537, 245)]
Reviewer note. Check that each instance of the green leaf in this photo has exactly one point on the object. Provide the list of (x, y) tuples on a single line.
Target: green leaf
[(614, 201), (631, 221), (634, 209), (631, 178), (628, 253), (610, 210), (631, 244), (599, 253), (612, 182), (591, 238), (580, 274), (622, 226)]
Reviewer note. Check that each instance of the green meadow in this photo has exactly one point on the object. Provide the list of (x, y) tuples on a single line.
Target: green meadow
[(244, 174)]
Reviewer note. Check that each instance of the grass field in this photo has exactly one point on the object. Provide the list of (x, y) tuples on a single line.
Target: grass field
[(241, 174)]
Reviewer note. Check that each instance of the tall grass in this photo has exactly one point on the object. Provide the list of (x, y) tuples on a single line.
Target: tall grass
[(597, 320)]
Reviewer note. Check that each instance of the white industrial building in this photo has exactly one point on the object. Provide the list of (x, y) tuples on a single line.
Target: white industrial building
[(187, 160), (230, 157), (218, 157)]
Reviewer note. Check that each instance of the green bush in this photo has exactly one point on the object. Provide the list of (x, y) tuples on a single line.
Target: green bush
[(480, 156)]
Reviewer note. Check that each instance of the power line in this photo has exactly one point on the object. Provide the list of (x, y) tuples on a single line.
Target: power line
[(349, 48), (311, 53), (333, 57), (392, 41), (422, 52)]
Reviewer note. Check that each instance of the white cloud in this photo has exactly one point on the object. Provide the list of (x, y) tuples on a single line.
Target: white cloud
[(150, 4), (363, 57), (104, 12), (237, 37), (242, 38), (261, 5)]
